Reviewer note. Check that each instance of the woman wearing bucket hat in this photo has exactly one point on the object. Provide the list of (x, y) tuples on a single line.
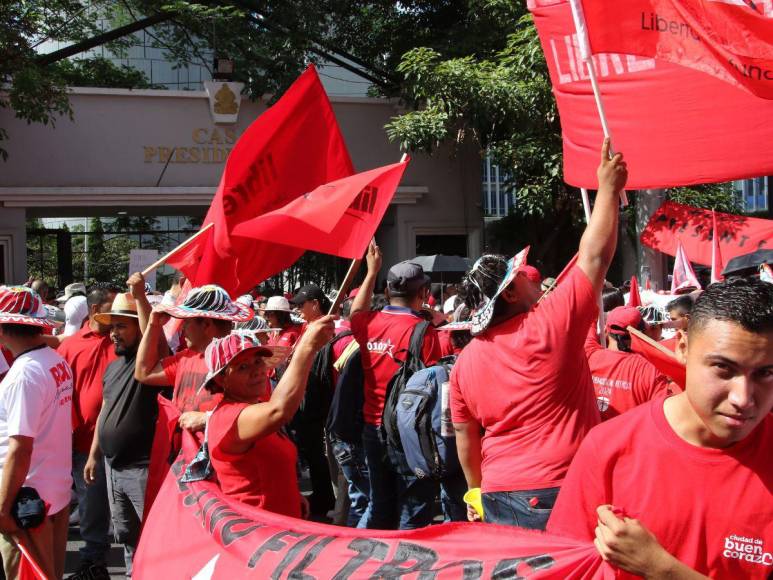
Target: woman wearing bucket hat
[(253, 461), (277, 312)]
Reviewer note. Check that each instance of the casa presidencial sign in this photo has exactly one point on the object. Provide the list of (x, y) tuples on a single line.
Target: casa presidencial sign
[(208, 144)]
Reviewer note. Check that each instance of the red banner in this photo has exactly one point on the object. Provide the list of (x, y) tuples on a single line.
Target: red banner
[(732, 41), (194, 531), (663, 359), (292, 148), (738, 235), (337, 218), (675, 125)]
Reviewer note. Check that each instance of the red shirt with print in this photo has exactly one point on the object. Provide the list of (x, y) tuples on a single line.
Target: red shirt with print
[(264, 476), (622, 380), (88, 354), (526, 382), (186, 371), (381, 336), (711, 508)]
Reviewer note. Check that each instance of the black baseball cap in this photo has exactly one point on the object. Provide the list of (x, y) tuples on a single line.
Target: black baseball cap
[(306, 293), (405, 278)]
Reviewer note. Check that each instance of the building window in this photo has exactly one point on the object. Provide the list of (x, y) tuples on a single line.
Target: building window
[(497, 197), (753, 194), (448, 244)]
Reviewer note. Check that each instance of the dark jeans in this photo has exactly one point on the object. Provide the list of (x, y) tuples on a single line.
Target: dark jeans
[(351, 460), (397, 499), (310, 438), (452, 489), (126, 488), (525, 509), (94, 511)]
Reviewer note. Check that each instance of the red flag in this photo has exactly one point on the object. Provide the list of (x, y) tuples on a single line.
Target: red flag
[(166, 445), (195, 531), (717, 265), (663, 359), (684, 276), (730, 40), (337, 218), (293, 147), (658, 113), (29, 569), (693, 226), (634, 298)]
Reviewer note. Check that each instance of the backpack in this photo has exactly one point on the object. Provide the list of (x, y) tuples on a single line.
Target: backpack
[(344, 420), (319, 386), (429, 449), (396, 385)]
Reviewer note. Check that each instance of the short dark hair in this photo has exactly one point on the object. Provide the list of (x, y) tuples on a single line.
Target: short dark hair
[(612, 298), (21, 330), (683, 303), (378, 302), (282, 317), (224, 326), (747, 302), (100, 292), (346, 308)]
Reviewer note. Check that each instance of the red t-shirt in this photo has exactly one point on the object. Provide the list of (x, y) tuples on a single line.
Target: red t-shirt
[(187, 370), (711, 508), (381, 336), (446, 346), (526, 382), (287, 336), (622, 380), (265, 475), (88, 354)]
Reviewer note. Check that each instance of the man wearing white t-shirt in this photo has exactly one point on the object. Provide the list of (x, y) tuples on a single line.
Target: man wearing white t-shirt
[(35, 433)]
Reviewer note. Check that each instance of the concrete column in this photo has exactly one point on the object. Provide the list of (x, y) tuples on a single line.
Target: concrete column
[(13, 243), (652, 261)]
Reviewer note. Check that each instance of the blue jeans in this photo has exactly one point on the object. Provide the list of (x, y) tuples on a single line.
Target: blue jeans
[(397, 499), (525, 509), (351, 460), (93, 509)]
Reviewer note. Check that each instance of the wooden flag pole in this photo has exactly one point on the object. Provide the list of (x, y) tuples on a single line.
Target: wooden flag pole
[(344, 289), (162, 260)]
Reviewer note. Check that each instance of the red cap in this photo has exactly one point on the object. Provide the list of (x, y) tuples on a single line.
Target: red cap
[(531, 273), (431, 301), (354, 292), (621, 318)]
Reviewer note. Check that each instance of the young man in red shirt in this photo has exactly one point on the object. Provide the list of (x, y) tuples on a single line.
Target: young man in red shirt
[(622, 379), (89, 352), (521, 391), (396, 498), (207, 312), (684, 482)]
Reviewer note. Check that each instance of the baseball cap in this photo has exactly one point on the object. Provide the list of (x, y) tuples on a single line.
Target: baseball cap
[(308, 292), (531, 273), (405, 278), (620, 318)]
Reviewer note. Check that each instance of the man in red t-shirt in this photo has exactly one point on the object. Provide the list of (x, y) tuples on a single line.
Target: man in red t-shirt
[(396, 498), (89, 352), (622, 379), (521, 392), (207, 312), (685, 481)]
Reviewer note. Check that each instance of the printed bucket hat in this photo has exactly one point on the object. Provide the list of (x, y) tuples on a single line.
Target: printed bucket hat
[(481, 318)]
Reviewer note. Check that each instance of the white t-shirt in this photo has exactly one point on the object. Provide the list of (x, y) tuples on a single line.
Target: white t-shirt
[(36, 401)]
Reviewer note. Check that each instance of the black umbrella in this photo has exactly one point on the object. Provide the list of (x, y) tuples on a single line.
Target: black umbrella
[(443, 263), (748, 261)]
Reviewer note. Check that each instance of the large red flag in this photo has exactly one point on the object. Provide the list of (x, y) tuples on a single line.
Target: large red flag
[(195, 531), (676, 126), (731, 40), (683, 276), (717, 265), (337, 218), (292, 148), (693, 226)]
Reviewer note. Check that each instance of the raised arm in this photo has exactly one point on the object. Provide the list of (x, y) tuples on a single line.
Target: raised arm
[(148, 369), (365, 294), (262, 419), (598, 243), (136, 284)]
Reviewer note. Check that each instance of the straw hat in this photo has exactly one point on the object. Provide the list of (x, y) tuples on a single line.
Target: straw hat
[(123, 305), (22, 305)]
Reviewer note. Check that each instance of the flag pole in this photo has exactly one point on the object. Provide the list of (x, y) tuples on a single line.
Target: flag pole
[(162, 260), (601, 327), (585, 55)]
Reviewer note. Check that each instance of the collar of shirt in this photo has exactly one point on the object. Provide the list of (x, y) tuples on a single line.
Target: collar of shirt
[(389, 309)]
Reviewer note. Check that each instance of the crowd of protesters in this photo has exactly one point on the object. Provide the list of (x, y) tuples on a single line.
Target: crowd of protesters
[(553, 420)]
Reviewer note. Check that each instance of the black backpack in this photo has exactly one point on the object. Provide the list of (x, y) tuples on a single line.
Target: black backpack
[(345, 420), (396, 385), (319, 386)]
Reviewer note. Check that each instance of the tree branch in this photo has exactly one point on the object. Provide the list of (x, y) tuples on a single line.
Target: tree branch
[(100, 39)]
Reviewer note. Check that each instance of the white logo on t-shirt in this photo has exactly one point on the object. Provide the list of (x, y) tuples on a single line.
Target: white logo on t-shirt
[(747, 549), (381, 346)]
